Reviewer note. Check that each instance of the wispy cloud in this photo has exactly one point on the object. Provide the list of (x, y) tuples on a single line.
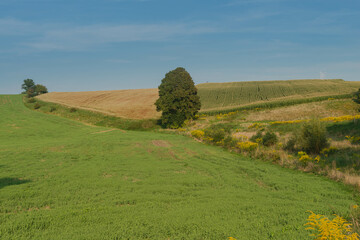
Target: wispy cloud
[(60, 37), (86, 36), (13, 27)]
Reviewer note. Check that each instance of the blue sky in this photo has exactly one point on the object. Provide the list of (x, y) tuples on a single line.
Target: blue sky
[(84, 45)]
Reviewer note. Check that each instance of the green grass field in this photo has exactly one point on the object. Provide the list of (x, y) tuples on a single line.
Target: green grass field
[(61, 179), (222, 96)]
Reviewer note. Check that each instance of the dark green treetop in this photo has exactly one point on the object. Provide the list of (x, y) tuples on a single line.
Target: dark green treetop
[(178, 99), (28, 84), (40, 89)]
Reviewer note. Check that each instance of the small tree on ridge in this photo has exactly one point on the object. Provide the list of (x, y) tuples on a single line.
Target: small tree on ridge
[(40, 89), (178, 99), (28, 84)]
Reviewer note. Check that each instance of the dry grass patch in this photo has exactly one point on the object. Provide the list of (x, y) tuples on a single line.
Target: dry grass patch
[(57, 149), (161, 143), (105, 131)]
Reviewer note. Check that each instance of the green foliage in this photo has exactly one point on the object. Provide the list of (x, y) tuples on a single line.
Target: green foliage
[(269, 139), (230, 142), (258, 135), (61, 179), (290, 144), (28, 84), (37, 105), (31, 89), (215, 134), (357, 96), (178, 99), (72, 110), (312, 137), (30, 93), (31, 100), (40, 89)]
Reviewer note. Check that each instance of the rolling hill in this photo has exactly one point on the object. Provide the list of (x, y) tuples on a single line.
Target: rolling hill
[(139, 103), (61, 179)]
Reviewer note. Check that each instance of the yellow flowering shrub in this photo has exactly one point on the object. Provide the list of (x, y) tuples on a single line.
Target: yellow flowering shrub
[(304, 158), (243, 138), (326, 229), (340, 119), (224, 115), (327, 119), (327, 151), (255, 125), (220, 143), (199, 134), (287, 122), (247, 146), (353, 139)]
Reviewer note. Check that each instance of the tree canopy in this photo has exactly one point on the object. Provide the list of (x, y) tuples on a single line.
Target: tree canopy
[(178, 99), (28, 84), (31, 89), (40, 89)]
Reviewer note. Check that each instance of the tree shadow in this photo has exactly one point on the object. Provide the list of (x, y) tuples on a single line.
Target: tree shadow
[(4, 182), (338, 131)]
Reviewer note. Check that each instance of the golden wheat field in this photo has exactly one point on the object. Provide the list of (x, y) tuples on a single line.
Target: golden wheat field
[(133, 104), (139, 103)]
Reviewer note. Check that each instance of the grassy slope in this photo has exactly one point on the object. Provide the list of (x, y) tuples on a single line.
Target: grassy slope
[(60, 179), (217, 96)]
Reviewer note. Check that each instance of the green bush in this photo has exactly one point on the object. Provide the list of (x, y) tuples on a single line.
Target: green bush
[(216, 133), (290, 144), (230, 142), (31, 100), (72, 110), (312, 137), (52, 109), (37, 105), (258, 135), (269, 139)]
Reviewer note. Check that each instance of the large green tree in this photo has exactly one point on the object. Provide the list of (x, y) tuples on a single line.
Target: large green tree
[(178, 99)]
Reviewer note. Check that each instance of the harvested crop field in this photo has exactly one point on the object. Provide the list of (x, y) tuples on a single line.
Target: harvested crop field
[(139, 103), (133, 104)]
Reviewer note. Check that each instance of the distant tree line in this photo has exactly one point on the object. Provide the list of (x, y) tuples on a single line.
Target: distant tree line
[(31, 89)]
